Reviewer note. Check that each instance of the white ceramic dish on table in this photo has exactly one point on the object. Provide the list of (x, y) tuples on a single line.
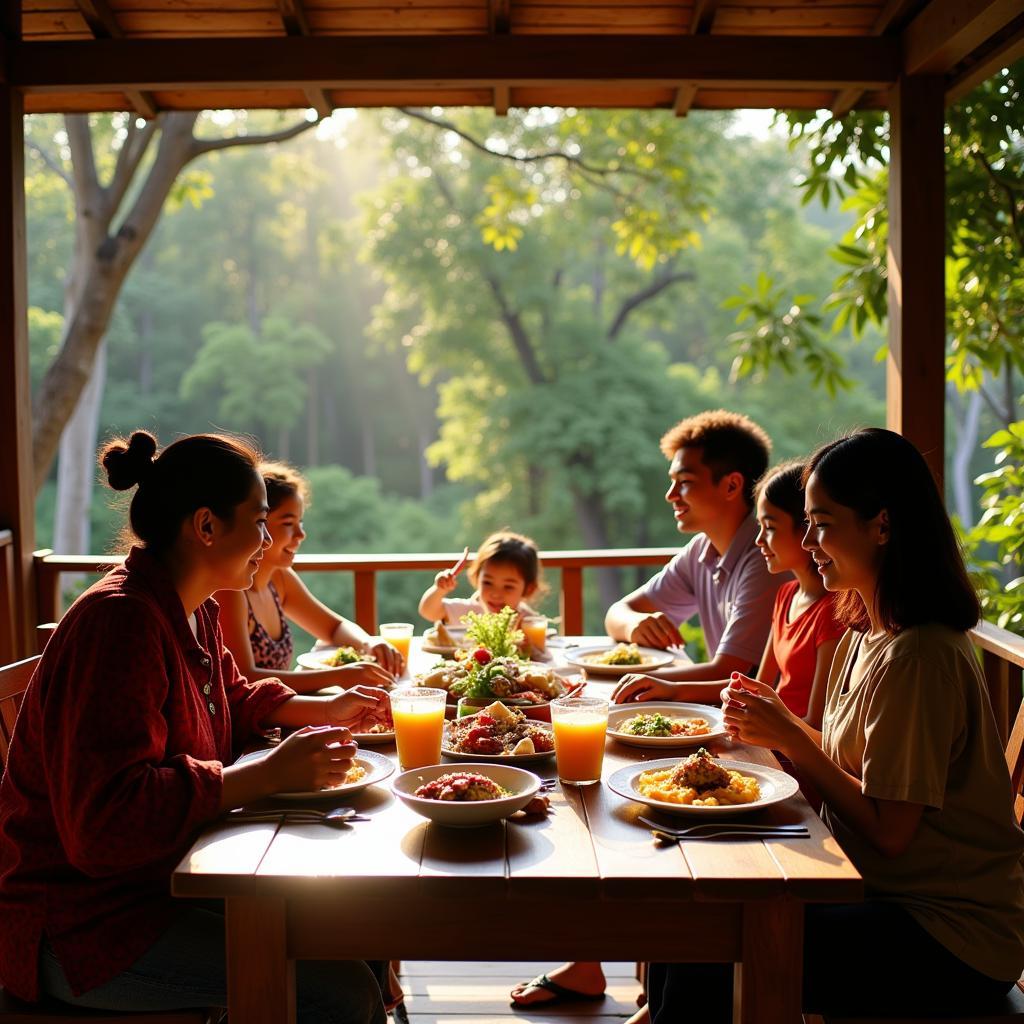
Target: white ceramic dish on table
[(585, 658), (319, 658), (534, 758), (522, 786), (377, 768), (775, 787), (621, 713)]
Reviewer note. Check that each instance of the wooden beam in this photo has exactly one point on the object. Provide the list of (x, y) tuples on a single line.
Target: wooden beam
[(502, 99), (499, 16), (892, 16), (915, 369), (436, 62), (103, 24), (17, 489), (685, 95), (293, 17), (1003, 52), (703, 16), (947, 32)]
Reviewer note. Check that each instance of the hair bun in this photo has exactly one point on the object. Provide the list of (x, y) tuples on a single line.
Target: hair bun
[(128, 463)]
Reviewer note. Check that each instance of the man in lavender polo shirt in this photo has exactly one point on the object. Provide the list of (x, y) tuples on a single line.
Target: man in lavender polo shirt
[(716, 458)]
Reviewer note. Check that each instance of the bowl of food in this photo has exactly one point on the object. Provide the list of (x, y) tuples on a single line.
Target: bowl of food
[(467, 795), (618, 659), (665, 724), (497, 733), (702, 786)]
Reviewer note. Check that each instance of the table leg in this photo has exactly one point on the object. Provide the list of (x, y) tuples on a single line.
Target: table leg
[(769, 980), (261, 978)]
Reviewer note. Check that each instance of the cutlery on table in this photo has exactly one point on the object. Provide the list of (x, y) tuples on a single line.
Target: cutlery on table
[(732, 833), (548, 785), (719, 826), (299, 816)]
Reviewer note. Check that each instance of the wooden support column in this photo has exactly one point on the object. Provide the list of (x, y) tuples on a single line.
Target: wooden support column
[(17, 492), (915, 377)]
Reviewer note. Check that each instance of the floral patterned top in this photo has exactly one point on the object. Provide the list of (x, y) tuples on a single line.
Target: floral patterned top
[(266, 651)]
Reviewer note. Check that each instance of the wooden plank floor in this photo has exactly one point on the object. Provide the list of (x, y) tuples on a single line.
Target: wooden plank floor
[(442, 992)]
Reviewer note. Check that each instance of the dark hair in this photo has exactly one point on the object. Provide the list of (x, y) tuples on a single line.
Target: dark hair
[(729, 443), (283, 481), (922, 577), (512, 549), (214, 471), (783, 486)]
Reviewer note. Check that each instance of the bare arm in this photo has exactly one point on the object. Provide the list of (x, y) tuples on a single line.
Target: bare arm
[(822, 665), (235, 624), (635, 619)]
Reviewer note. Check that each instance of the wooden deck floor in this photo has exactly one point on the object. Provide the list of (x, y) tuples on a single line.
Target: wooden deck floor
[(441, 992)]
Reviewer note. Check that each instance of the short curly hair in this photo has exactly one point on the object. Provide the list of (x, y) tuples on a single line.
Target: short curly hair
[(282, 482), (729, 441)]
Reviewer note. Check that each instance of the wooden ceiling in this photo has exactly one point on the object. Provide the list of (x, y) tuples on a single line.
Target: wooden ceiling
[(676, 54)]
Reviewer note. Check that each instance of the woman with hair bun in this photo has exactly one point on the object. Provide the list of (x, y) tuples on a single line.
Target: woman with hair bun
[(255, 620), (908, 762), (124, 746)]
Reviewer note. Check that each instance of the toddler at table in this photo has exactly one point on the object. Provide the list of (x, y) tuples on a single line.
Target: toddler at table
[(505, 572)]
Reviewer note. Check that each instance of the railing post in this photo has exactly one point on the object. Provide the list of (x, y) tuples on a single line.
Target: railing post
[(47, 589), (1004, 682), (366, 599), (572, 601), (8, 618)]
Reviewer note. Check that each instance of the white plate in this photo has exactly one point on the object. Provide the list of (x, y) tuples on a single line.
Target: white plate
[(620, 713), (775, 786), (318, 659), (522, 785), (534, 758), (378, 768), (373, 739), (653, 658)]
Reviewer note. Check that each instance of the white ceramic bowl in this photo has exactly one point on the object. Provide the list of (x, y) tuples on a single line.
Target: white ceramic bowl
[(522, 786)]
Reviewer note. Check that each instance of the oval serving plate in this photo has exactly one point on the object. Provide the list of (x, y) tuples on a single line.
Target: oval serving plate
[(378, 768), (775, 787), (319, 659), (621, 713), (534, 758), (653, 658)]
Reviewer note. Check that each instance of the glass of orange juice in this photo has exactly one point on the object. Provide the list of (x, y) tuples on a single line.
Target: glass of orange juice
[(399, 635), (535, 629), (580, 725), (419, 722)]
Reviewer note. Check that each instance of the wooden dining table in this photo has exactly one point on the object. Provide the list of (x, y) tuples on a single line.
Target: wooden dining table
[(585, 882)]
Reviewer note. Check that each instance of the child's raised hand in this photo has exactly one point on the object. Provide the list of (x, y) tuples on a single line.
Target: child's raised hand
[(446, 581)]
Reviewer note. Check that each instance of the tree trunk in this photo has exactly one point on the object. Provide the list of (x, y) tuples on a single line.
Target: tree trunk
[(423, 439), (312, 419), (76, 468), (591, 519)]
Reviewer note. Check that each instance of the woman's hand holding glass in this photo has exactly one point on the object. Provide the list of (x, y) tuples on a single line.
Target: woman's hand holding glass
[(312, 758), (359, 708), (755, 714)]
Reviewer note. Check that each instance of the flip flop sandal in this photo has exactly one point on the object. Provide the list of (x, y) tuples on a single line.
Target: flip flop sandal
[(559, 993)]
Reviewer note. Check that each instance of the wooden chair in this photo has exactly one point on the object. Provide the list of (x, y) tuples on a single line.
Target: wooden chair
[(13, 682), (1012, 1010)]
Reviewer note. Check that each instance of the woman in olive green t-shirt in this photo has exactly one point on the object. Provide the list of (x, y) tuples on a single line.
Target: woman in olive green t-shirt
[(908, 761)]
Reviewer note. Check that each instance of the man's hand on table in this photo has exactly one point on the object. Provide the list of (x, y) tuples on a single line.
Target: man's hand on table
[(655, 629), (635, 687), (358, 708), (312, 758)]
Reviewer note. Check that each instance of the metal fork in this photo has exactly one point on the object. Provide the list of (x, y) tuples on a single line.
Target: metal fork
[(301, 815), (731, 833), (722, 826)]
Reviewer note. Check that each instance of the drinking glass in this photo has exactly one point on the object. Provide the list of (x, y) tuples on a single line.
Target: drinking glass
[(535, 629), (580, 725), (399, 635), (419, 722)]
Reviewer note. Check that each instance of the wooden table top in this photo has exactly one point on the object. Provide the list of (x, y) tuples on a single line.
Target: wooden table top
[(590, 846)]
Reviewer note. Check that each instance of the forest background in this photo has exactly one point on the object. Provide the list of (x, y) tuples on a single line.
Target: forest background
[(455, 322)]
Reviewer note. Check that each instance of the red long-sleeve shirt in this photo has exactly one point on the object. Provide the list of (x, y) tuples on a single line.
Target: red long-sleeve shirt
[(114, 766)]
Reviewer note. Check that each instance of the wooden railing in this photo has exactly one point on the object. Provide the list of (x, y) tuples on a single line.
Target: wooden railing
[(1002, 651), (8, 621), (365, 568)]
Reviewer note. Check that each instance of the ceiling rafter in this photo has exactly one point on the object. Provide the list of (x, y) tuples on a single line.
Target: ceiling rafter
[(499, 22), (293, 17), (947, 32), (103, 24), (892, 16), (701, 22), (1005, 50)]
